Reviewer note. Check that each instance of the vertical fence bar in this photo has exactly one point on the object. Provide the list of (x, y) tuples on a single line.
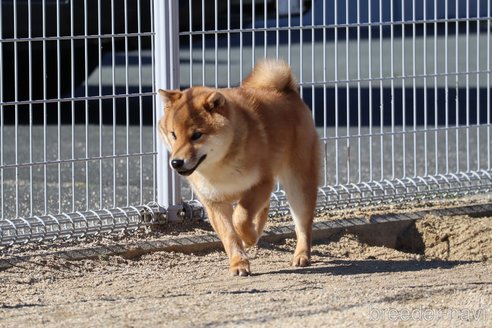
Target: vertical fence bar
[(29, 33), (381, 92), (301, 56), (86, 103), (446, 84), (16, 108), (140, 103), (404, 104), (166, 54), (436, 158), (313, 58), (45, 143), (228, 42), (289, 31), (347, 91), (265, 34), (113, 87), (203, 42), (478, 86), (58, 105), (392, 88), (414, 89), (72, 103), (325, 103), (456, 87), (1, 123), (253, 33), (467, 84), (100, 102), (489, 90), (277, 32), (241, 26), (369, 65), (127, 107), (190, 41), (216, 48), (477, 128), (359, 102), (154, 116), (426, 109), (337, 137)]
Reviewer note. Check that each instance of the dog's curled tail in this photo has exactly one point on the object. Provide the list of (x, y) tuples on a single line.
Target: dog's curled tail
[(271, 74)]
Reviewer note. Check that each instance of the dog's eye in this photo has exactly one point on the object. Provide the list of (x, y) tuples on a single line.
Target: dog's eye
[(173, 135), (196, 135)]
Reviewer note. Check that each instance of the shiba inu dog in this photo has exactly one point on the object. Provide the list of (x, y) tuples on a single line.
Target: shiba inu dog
[(233, 144)]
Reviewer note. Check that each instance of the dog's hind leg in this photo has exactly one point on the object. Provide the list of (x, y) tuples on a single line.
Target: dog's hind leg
[(302, 201), (301, 186), (261, 219)]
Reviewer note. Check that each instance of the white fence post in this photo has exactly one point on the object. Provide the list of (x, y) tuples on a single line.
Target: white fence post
[(166, 55)]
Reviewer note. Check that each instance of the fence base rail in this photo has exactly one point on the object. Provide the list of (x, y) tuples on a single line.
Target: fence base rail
[(89, 223)]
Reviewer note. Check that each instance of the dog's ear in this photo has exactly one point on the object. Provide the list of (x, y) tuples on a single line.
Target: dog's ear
[(213, 101), (169, 96)]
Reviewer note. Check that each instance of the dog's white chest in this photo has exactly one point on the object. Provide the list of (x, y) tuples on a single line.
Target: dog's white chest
[(225, 184)]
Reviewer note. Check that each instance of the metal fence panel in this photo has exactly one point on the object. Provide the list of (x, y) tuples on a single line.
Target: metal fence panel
[(400, 90), (76, 94)]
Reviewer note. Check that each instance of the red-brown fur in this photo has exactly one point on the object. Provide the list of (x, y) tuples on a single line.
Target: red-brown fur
[(251, 135)]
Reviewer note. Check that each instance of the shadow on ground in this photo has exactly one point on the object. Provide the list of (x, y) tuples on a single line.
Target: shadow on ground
[(354, 267)]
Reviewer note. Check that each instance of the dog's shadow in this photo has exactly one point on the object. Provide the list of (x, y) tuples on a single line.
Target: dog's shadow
[(326, 264), (356, 267)]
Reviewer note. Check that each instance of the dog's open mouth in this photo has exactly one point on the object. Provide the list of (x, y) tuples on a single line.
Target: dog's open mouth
[(188, 172)]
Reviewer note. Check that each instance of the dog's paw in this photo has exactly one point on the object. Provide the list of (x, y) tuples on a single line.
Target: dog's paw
[(301, 260), (240, 267)]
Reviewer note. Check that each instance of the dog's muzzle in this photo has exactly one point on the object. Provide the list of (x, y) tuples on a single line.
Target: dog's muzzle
[(178, 165)]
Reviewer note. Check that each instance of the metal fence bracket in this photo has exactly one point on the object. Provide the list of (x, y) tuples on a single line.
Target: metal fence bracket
[(153, 217), (192, 211)]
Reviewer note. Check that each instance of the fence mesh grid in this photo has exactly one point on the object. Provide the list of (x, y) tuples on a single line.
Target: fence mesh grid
[(399, 90), (76, 99)]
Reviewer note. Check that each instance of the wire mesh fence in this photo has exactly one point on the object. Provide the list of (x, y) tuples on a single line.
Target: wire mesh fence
[(76, 100), (399, 90)]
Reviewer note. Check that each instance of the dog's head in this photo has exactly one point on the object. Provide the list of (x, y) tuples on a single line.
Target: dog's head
[(195, 128)]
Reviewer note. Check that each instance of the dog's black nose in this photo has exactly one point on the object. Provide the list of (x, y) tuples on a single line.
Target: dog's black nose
[(177, 163)]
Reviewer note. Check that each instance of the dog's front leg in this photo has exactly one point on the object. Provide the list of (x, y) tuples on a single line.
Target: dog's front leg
[(252, 211), (220, 215)]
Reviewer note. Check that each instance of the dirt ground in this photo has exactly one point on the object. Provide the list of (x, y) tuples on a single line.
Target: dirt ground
[(349, 284)]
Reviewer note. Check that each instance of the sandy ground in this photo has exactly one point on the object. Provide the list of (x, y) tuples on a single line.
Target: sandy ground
[(349, 284)]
